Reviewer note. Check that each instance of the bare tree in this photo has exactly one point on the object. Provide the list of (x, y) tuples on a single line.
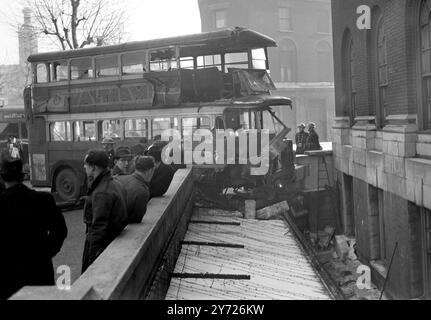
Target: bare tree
[(74, 24)]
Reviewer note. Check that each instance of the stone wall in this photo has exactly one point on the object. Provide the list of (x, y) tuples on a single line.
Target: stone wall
[(132, 266)]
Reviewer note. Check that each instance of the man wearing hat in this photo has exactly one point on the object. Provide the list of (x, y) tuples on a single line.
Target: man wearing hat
[(313, 138), (122, 159), (163, 173), (105, 212), (108, 145), (301, 139), (33, 231), (137, 188)]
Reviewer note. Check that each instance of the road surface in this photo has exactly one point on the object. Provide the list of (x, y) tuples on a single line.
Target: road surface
[(71, 252)]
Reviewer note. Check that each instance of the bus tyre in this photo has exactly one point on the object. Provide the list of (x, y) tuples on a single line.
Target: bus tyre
[(67, 185)]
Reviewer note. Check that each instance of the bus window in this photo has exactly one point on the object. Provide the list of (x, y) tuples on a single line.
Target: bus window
[(187, 63), (41, 73), (81, 69), (219, 123), (136, 128), (59, 71), (258, 116), (111, 129), (60, 131), (163, 60), (85, 131), (133, 63), (161, 124), (245, 120), (270, 123), (190, 125), (259, 58), (236, 60), (107, 66), (209, 61)]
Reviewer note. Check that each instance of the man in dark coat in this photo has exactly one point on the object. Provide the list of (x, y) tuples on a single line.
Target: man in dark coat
[(105, 211), (137, 188), (301, 139), (32, 234), (163, 174), (313, 138)]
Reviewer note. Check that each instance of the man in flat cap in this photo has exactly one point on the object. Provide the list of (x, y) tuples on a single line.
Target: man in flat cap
[(122, 160), (313, 138), (301, 139), (137, 188), (105, 211), (33, 231)]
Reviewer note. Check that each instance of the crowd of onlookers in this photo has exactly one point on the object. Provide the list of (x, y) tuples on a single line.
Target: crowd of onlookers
[(120, 184)]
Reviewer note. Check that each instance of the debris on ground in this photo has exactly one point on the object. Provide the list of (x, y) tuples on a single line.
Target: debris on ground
[(341, 262), (273, 212)]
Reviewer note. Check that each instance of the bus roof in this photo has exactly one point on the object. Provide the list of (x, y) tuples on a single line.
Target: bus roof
[(222, 40)]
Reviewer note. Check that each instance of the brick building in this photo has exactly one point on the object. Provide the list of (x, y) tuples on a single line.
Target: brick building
[(382, 138), (302, 64)]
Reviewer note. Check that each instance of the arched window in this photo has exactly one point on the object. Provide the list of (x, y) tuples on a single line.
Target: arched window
[(349, 76), (381, 71), (288, 61), (324, 60), (425, 47)]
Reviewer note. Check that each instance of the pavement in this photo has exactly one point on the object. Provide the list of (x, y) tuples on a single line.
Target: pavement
[(71, 252)]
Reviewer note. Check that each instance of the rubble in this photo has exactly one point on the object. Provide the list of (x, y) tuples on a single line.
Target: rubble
[(273, 212), (344, 271), (345, 248)]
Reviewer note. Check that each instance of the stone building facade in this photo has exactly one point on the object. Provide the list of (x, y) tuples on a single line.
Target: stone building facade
[(382, 138), (302, 64)]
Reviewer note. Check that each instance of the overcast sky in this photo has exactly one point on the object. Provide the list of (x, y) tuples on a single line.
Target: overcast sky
[(149, 19)]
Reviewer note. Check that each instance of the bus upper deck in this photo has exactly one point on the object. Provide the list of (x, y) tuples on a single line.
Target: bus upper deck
[(197, 68)]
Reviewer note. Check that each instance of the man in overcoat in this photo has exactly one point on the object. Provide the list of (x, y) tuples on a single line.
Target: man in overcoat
[(32, 233), (105, 212)]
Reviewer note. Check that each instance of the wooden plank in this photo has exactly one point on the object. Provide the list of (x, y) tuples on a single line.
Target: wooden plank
[(212, 244), (210, 276), (227, 223)]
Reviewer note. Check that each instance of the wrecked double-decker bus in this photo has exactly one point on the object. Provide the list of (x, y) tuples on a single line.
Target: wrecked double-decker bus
[(134, 92)]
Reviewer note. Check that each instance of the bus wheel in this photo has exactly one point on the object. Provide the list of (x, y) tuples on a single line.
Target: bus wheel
[(67, 185)]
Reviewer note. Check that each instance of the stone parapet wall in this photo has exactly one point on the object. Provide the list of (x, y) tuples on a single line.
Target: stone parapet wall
[(396, 162)]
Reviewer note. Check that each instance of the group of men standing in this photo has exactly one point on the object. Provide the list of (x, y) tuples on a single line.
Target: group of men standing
[(307, 141), (34, 228), (120, 186)]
